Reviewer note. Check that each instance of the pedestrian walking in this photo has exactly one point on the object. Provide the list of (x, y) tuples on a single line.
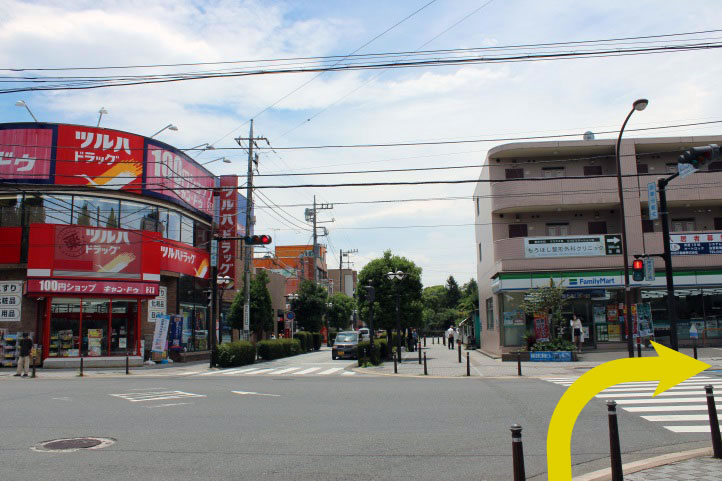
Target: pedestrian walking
[(578, 332), (450, 337), (26, 346)]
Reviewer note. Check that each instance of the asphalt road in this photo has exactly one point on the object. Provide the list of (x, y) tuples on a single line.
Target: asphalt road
[(301, 428)]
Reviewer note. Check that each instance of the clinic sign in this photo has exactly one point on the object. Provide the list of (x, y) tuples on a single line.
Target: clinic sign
[(572, 246), (696, 243)]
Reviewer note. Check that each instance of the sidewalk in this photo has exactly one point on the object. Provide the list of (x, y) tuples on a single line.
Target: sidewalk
[(697, 465), (443, 362)]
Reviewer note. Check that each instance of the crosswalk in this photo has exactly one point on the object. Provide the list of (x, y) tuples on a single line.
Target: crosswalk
[(681, 409), (284, 370)]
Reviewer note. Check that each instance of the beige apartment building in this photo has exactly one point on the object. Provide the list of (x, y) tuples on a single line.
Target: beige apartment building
[(550, 210)]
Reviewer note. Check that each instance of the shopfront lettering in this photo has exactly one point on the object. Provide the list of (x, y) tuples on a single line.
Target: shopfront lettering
[(182, 255), (102, 141), (107, 236)]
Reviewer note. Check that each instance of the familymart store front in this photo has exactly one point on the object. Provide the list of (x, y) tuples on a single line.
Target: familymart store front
[(597, 298)]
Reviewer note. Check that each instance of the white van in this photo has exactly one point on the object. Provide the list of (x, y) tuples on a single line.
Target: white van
[(364, 334)]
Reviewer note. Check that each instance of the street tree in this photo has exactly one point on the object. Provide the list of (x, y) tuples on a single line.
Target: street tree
[(453, 293), (436, 316), (409, 289), (310, 306), (261, 315), (548, 300), (339, 313), (469, 302)]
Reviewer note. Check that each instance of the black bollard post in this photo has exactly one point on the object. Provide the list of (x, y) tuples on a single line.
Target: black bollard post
[(713, 423), (419, 353), (424, 340), (33, 365), (518, 363), (639, 348), (517, 453), (81, 367), (396, 369), (694, 348), (614, 449), (468, 365), (426, 373), (443, 339), (458, 344), (127, 365)]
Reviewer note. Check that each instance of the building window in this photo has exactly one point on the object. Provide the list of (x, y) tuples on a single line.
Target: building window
[(558, 228), (514, 173), (10, 210), (682, 225), (672, 168), (550, 172), (597, 227), (518, 230), (592, 170), (96, 212), (718, 223), (490, 313), (186, 230), (647, 225), (642, 168)]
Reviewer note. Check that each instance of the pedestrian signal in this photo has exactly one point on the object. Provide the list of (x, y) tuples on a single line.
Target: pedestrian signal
[(638, 269)]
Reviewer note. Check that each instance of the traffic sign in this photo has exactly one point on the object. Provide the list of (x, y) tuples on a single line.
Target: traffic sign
[(290, 315), (652, 195), (613, 245), (246, 317), (649, 269), (685, 170)]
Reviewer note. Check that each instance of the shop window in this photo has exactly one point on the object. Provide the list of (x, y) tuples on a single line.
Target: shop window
[(683, 225), (95, 322), (647, 225), (642, 168), (518, 230), (512, 318), (136, 216), (592, 170), (96, 212), (558, 228), (10, 211), (123, 326), (186, 230), (47, 209), (171, 224), (550, 172), (193, 302), (514, 173), (490, 313), (597, 227), (64, 327), (718, 223), (671, 168), (202, 235)]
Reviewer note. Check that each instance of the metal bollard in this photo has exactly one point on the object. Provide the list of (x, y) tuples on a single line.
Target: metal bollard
[(396, 369), (426, 373), (127, 365), (468, 365), (517, 452), (713, 422), (459, 346), (614, 449), (34, 365), (419, 353), (694, 349), (639, 348), (81, 367), (424, 341), (443, 340), (518, 363)]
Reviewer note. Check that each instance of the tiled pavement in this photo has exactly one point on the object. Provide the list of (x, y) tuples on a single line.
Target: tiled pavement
[(697, 469)]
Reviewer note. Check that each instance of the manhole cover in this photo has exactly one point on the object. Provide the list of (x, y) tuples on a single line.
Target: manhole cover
[(69, 445)]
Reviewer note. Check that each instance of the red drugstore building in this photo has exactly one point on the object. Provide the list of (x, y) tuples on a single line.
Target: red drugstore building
[(101, 231)]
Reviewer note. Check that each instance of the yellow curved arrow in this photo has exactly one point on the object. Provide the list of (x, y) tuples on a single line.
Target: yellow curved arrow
[(669, 368)]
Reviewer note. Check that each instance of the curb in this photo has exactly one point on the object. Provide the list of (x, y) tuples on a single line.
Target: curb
[(629, 468)]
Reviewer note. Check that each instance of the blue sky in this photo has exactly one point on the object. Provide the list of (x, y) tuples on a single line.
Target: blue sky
[(444, 103)]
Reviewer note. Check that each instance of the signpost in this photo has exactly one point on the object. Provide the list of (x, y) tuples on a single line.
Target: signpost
[(652, 204), (685, 170), (648, 268)]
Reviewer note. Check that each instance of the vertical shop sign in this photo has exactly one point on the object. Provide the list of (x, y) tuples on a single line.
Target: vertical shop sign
[(227, 226), (541, 326), (175, 333), (157, 306), (160, 335), (644, 319), (11, 300)]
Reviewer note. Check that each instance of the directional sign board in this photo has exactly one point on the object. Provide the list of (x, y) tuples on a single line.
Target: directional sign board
[(613, 245), (652, 195), (649, 269), (685, 170)]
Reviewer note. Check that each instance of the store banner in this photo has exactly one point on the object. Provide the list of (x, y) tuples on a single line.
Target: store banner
[(25, 154), (227, 226), (10, 244), (160, 335), (11, 300), (178, 178), (98, 157), (644, 319), (696, 243), (88, 287), (541, 326), (175, 333), (184, 259)]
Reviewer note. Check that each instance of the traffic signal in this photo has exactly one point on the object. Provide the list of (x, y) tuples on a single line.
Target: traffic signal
[(698, 156), (638, 269), (253, 240)]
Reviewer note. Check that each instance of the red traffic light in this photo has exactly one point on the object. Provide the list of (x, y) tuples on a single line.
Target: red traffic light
[(638, 265), (262, 239)]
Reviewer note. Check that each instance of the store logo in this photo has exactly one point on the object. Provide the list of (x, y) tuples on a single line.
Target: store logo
[(71, 244), (573, 282)]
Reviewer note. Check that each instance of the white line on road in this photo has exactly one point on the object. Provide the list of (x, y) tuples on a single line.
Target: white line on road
[(243, 393), (307, 371), (259, 371), (677, 417), (651, 409), (165, 405), (643, 394), (652, 388), (348, 373), (330, 371), (289, 369), (689, 429), (188, 373), (695, 399)]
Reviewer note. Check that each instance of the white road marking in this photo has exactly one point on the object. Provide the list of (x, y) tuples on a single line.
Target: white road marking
[(651, 409), (165, 405), (188, 373), (657, 400), (689, 429), (289, 369), (348, 373), (677, 417), (307, 371), (250, 393), (330, 371), (644, 394), (652, 388), (259, 371), (156, 396)]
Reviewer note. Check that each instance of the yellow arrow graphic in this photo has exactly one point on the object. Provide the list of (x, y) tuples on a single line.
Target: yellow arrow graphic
[(669, 368)]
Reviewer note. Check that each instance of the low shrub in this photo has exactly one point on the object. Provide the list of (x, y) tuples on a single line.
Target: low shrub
[(554, 345), (373, 357), (290, 347), (277, 348), (317, 340), (306, 339), (236, 353)]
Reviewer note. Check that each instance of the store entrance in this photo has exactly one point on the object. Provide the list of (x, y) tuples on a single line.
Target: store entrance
[(95, 320), (125, 313)]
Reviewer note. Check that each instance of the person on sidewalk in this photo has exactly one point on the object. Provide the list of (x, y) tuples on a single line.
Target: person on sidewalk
[(26, 346), (450, 337), (578, 331)]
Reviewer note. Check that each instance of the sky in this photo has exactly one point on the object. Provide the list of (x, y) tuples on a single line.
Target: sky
[(447, 103)]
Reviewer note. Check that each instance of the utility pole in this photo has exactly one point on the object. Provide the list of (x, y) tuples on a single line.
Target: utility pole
[(340, 269), (311, 215), (247, 250)]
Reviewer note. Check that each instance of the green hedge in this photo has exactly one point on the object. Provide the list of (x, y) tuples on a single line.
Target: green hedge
[(237, 353), (554, 345), (379, 353), (317, 340), (278, 348), (306, 339)]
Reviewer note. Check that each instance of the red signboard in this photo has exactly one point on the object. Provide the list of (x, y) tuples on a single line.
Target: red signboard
[(177, 177), (10, 240), (227, 226), (25, 154), (99, 158), (84, 251), (541, 326), (179, 257), (92, 287)]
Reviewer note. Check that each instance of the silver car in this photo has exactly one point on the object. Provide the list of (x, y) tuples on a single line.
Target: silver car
[(345, 345)]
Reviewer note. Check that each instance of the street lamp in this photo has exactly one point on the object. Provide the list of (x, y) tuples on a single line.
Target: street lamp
[(221, 282), (328, 324), (169, 127), (101, 112), (225, 160), (398, 275), (21, 103), (291, 297), (638, 105)]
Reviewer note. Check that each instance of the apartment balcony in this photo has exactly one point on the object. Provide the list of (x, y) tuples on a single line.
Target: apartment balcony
[(523, 195), (509, 256), (700, 187)]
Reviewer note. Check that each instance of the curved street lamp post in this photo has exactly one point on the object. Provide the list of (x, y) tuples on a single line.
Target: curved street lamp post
[(398, 276)]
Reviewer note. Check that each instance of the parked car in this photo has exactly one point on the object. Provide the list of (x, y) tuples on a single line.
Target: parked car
[(364, 333), (345, 346)]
